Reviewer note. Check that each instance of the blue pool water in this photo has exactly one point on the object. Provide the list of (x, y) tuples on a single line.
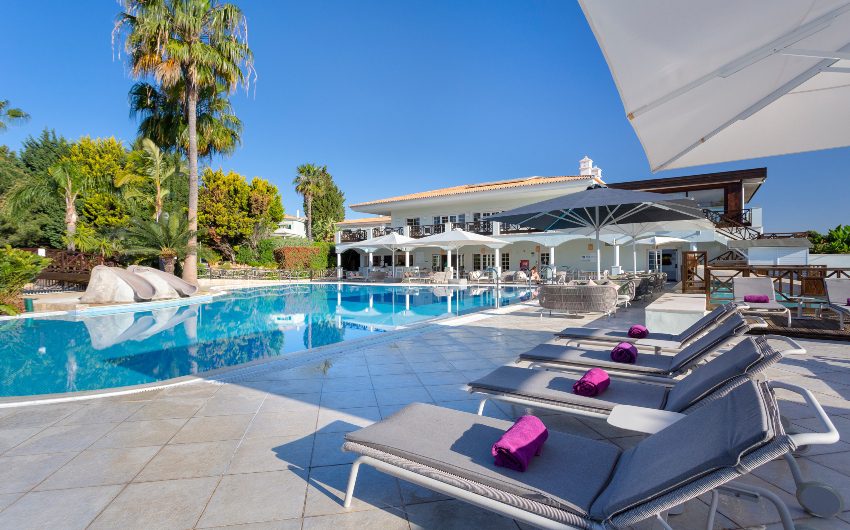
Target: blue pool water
[(75, 353)]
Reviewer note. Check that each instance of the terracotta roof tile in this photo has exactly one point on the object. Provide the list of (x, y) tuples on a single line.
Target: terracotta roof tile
[(474, 188)]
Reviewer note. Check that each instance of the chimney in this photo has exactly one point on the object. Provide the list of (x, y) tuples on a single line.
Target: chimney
[(586, 168)]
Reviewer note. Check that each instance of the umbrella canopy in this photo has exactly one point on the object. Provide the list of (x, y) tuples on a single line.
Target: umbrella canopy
[(708, 82), (455, 239), (392, 241), (597, 208), (657, 241)]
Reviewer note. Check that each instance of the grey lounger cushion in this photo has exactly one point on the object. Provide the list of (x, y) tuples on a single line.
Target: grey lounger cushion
[(555, 352), (838, 291), (713, 437), (550, 352), (716, 315), (557, 387), (569, 474)]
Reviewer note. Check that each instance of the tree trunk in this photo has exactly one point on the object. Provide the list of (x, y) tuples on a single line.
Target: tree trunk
[(70, 224), (190, 264), (308, 199), (157, 207)]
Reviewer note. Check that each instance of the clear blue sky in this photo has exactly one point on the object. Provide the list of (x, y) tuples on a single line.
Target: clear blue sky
[(394, 96)]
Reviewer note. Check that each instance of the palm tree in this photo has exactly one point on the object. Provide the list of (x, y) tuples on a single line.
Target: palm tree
[(166, 240), (200, 43), (64, 179), (151, 166), (310, 183), (163, 118), (10, 115)]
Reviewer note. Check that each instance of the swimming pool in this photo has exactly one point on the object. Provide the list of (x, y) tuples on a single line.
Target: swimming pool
[(69, 353)]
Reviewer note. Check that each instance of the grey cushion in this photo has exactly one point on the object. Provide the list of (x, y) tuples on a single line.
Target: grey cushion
[(554, 351), (610, 334), (837, 291), (557, 387), (720, 370), (712, 437), (568, 474), (703, 346)]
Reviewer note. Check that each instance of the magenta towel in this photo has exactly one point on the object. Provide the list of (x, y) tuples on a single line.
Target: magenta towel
[(522, 442), (756, 298), (848, 301), (592, 383), (638, 332), (624, 353)]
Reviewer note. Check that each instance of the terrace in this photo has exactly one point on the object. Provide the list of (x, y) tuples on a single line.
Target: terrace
[(261, 445)]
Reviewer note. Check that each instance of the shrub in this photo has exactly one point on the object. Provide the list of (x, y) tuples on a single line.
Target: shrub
[(296, 258), (265, 251), (246, 255), (17, 268)]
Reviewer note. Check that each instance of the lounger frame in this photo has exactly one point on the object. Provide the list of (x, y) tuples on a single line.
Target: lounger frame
[(655, 508)]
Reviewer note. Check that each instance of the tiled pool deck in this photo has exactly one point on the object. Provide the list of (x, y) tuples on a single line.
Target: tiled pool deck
[(264, 452)]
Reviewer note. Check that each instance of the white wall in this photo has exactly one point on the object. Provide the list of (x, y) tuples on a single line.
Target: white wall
[(830, 260)]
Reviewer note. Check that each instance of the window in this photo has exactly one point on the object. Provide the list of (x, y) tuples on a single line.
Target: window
[(544, 258), (436, 262), (412, 221), (506, 261), (476, 262)]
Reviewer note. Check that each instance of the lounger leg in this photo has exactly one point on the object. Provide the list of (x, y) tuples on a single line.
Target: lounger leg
[(663, 522), (712, 509), (352, 480), (755, 494), (481, 407), (817, 498)]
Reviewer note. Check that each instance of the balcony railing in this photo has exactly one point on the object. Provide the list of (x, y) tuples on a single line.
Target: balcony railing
[(425, 230), (477, 227), (517, 229), (352, 235)]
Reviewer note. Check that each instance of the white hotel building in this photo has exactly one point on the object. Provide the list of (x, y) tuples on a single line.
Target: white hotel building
[(725, 197)]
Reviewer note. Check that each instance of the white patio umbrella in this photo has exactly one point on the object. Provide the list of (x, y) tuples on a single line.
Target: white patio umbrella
[(707, 82), (659, 241), (392, 241), (598, 208), (457, 239)]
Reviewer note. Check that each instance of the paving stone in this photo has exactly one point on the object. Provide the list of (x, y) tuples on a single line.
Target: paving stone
[(255, 497), (203, 459), (68, 508), (100, 467)]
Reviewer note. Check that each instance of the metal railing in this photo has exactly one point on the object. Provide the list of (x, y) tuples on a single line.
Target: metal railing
[(476, 227), (418, 231)]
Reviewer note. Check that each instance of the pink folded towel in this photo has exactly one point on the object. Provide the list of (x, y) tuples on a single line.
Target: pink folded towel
[(522, 442), (624, 353), (756, 298), (638, 332), (592, 383)]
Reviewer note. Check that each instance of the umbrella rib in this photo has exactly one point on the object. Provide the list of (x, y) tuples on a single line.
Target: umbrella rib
[(762, 103), (736, 65)]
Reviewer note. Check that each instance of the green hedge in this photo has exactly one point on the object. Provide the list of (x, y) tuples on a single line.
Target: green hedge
[(318, 256)]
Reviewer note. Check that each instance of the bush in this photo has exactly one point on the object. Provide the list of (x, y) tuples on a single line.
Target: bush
[(318, 256), (246, 255), (296, 258), (17, 268), (265, 251)]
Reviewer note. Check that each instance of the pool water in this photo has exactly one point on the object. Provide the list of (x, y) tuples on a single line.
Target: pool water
[(69, 353)]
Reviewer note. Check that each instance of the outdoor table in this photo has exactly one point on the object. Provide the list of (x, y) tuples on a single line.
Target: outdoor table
[(801, 303)]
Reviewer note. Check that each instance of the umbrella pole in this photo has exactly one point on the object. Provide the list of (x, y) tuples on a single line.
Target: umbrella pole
[(634, 255), (598, 256)]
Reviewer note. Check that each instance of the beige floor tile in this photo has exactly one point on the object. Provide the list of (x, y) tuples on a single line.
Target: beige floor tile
[(100, 467), (62, 438), (213, 429), (171, 504), (13, 436), (326, 492), (169, 408), (327, 450), (225, 405), (332, 420), (255, 497), (103, 412), (348, 399), (38, 416), (385, 519), (302, 403), (8, 498), (452, 514), (70, 508), (272, 454), (140, 433), (282, 424), (22, 473), (203, 459)]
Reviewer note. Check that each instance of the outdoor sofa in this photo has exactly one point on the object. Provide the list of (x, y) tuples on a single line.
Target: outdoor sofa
[(574, 298)]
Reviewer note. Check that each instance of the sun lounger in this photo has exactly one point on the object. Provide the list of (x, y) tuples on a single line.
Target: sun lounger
[(755, 285), (552, 390), (555, 354), (838, 294), (581, 483), (659, 341)]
